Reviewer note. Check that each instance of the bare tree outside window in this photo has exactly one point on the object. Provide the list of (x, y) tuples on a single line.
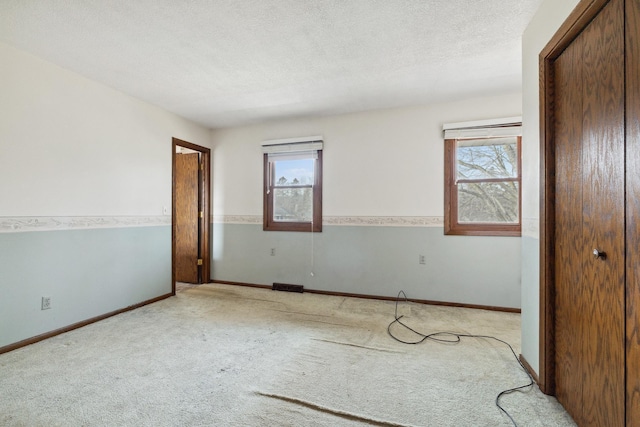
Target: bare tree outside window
[(487, 173), (482, 186)]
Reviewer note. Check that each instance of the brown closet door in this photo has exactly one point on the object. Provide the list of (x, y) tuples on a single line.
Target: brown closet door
[(590, 216), (603, 218), (632, 15), (187, 207), (569, 243)]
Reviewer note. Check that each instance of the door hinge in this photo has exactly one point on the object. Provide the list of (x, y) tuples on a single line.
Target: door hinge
[(201, 214), (199, 261), (201, 166)]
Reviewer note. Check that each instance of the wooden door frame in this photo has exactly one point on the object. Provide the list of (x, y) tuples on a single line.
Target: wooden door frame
[(577, 21), (206, 201)]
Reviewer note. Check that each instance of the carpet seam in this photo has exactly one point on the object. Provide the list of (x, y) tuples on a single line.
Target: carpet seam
[(335, 412)]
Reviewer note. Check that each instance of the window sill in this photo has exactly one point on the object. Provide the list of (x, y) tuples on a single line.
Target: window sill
[(292, 226), (473, 231)]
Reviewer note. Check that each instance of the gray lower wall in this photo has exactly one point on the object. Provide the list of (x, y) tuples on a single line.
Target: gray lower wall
[(374, 260), (86, 273), (91, 272), (531, 301)]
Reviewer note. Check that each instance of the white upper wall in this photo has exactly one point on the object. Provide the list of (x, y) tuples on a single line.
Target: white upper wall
[(377, 163), (72, 147)]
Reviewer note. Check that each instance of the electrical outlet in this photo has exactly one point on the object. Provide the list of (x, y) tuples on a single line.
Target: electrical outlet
[(422, 259), (46, 303), (273, 251)]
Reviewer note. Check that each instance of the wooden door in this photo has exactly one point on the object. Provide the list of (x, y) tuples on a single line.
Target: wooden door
[(569, 243), (589, 133), (187, 208), (632, 48)]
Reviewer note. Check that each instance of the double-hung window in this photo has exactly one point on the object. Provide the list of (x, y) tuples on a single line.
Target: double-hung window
[(293, 184), (483, 180)]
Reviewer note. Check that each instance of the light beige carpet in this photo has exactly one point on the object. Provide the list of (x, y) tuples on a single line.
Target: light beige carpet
[(218, 355)]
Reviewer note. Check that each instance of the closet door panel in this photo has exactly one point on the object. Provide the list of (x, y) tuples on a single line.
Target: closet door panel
[(632, 15), (569, 315), (604, 218)]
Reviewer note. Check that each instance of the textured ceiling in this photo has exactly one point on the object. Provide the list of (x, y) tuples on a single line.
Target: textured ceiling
[(232, 62)]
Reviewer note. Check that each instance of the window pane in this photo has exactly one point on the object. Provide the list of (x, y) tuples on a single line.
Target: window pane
[(292, 204), (487, 158), (488, 202), (294, 172)]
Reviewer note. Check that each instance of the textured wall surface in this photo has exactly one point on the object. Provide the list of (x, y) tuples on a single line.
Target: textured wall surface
[(383, 207), (383, 192), (85, 172)]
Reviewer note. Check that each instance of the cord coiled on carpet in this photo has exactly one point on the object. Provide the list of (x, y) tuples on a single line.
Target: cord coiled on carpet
[(454, 338)]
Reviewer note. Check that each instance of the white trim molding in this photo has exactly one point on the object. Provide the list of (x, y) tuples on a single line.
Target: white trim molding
[(48, 223), (371, 221)]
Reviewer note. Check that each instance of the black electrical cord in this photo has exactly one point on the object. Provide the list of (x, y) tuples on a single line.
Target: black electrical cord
[(453, 338)]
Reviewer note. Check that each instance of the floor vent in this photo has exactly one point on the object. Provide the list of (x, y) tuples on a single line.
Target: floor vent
[(287, 288)]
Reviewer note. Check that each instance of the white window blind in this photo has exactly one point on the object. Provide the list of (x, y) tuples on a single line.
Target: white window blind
[(494, 128), (291, 148)]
